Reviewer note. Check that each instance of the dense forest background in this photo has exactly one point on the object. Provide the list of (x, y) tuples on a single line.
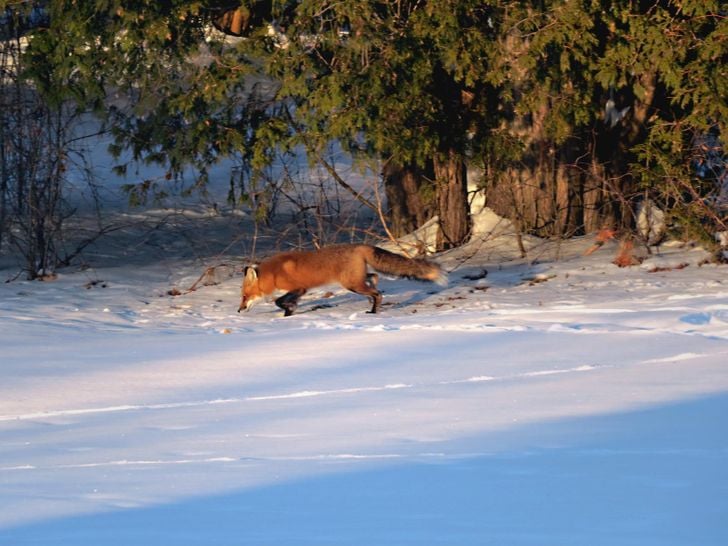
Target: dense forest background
[(571, 116)]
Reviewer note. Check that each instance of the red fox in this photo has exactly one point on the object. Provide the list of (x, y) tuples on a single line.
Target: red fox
[(297, 272)]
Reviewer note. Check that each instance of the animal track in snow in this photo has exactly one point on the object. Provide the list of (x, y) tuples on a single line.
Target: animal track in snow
[(42, 415)]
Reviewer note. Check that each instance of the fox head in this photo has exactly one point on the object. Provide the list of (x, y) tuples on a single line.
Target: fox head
[(250, 289)]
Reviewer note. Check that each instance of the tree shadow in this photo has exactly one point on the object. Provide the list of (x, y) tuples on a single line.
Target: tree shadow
[(648, 476)]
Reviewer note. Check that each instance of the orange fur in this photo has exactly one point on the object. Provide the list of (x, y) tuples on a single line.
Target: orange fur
[(296, 272)]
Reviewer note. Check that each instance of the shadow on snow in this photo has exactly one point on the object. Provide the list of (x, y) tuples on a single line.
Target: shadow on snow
[(655, 476)]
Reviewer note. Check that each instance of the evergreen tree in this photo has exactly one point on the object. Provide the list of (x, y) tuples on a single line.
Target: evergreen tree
[(400, 80), (391, 79), (576, 109), (612, 101)]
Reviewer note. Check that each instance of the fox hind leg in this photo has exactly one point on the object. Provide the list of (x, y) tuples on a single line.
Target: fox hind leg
[(376, 301), (289, 301), (368, 288), (376, 298)]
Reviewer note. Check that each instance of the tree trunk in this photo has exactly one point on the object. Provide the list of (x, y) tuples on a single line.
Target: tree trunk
[(4, 186), (409, 192), (452, 200)]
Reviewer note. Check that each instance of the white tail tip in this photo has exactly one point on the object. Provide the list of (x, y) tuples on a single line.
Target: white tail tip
[(441, 278)]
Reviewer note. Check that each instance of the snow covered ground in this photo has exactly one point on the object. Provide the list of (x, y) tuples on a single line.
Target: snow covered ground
[(558, 400)]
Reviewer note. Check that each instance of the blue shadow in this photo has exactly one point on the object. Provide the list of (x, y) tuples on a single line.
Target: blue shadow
[(647, 477)]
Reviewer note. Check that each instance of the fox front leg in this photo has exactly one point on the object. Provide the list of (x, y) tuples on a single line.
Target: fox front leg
[(289, 301)]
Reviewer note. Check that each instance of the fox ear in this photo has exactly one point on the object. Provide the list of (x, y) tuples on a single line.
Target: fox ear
[(251, 274)]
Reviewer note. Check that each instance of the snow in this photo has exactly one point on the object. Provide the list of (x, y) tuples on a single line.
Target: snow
[(556, 400)]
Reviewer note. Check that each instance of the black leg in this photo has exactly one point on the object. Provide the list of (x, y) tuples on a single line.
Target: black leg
[(289, 301), (376, 298)]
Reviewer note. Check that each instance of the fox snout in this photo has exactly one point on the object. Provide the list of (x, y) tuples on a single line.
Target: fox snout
[(249, 291), (247, 302)]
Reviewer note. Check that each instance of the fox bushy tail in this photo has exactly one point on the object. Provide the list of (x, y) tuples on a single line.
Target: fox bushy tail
[(394, 264)]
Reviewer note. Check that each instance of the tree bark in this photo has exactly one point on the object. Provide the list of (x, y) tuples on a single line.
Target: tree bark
[(452, 200), (410, 196)]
